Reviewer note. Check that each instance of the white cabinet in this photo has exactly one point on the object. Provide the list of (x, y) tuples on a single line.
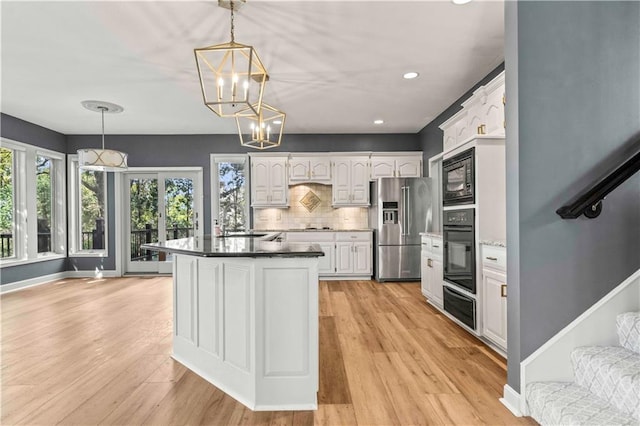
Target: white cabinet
[(346, 254), (310, 169), (351, 181), (481, 114), (269, 183), (354, 253), (494, 289), (431, 267), (389, 166)]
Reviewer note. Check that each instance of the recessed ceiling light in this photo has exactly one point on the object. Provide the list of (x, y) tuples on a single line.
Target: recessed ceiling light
[(277, 122), (410, 75), (378, 121), (460, 1)]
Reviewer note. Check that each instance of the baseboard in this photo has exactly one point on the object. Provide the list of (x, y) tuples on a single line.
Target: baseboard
[(92, 274), (344, 278), (21, 285), (44, 279), (511, 400)]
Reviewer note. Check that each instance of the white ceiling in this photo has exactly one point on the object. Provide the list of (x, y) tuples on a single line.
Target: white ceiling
[(334, 66)]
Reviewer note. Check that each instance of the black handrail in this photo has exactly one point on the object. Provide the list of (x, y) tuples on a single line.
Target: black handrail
[(589, 201)]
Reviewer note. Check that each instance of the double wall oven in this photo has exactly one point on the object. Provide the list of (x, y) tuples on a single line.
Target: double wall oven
[(459, 235)]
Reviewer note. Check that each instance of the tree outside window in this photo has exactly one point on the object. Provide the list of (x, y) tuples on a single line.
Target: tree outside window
[(232, 196), (6, 203)]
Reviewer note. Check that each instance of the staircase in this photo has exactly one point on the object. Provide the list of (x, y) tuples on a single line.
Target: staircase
[(606, 387)]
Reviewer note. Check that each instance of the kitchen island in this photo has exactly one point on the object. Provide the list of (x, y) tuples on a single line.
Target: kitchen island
[(245, 317)]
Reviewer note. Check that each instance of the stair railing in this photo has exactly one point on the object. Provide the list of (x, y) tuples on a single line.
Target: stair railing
[(589, 201)]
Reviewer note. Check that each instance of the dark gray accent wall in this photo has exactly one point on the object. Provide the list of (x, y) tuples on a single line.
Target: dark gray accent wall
[(22, 131), (194, 150), (431, 136), (577, 79)]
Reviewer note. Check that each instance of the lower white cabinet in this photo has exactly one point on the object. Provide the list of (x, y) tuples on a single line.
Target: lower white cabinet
[(346, 254), (353, 258), (431, 267), (494, 290)]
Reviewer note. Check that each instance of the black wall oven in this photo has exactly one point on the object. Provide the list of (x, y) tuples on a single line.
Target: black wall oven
[(459, 262), (458, 179), (459, 248)]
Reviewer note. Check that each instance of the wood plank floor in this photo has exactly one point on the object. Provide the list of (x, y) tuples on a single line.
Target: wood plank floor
[(83, 351)]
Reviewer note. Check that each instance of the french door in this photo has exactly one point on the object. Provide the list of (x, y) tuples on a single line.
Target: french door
[(160, 205)]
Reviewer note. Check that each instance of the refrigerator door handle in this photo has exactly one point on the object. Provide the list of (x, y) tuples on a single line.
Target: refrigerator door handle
[(404, 210), (408, 211)]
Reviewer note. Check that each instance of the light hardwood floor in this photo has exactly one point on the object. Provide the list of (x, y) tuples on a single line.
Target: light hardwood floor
[(82, 351)]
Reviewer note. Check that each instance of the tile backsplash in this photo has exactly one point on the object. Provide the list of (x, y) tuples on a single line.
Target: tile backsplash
[(306, 212)]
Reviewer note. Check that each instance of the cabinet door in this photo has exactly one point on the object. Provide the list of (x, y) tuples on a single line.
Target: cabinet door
[(494, 312), (436, 282), (493, 112), (362, 258), (425, 274), (360, 182), (299, 170), (409, 167), (279, 186), (259, 182), (320, 169), (475, 118), (326, 263), (382, 167), (341, 188), (344, 258)]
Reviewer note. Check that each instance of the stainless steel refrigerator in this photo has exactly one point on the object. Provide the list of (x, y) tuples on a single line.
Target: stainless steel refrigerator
[(401, 208)]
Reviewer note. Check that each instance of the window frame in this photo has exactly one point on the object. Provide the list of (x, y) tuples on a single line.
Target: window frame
[(75, 246), (24, 180), (215, 188)]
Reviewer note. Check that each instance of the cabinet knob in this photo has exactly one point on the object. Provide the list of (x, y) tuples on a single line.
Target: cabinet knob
[(430, 263), (503, 290)]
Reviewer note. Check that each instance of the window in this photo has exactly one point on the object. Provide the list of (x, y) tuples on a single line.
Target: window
[(6, 203), (33, 203), (229, 199), (88, 209)]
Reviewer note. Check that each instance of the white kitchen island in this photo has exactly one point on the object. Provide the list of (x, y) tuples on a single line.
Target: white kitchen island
[(245, 314)]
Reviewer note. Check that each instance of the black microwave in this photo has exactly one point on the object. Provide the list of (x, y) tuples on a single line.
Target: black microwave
[(458, 179)]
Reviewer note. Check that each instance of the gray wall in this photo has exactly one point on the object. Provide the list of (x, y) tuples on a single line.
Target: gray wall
[(430, 137), (22, 131), (194, 150), (575, 76)]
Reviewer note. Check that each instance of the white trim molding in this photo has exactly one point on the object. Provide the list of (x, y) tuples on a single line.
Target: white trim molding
[(46, 279), (595, 327), (511, 400), (32, 282)]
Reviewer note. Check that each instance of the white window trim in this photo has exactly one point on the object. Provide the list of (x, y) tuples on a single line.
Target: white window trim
[(215, 189), (25, 231), (74, 214)]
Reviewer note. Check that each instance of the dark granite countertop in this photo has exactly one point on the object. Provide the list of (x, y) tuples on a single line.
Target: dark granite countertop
[(259, 245)]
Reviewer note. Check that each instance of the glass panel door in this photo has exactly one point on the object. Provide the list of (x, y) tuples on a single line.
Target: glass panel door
[(162, 206), (143, 221)]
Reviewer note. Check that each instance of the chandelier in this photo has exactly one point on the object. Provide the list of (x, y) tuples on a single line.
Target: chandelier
[(107, 160), (232, 77), (261, 131)]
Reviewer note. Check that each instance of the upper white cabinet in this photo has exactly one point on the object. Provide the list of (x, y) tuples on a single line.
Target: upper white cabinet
[(351, 181), (481, 114), (310, 169), (394, 166), (269, 183)]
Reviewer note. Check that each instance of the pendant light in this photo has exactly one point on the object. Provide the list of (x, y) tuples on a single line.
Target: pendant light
[(107, 160), (261, 131), (232, 77)]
